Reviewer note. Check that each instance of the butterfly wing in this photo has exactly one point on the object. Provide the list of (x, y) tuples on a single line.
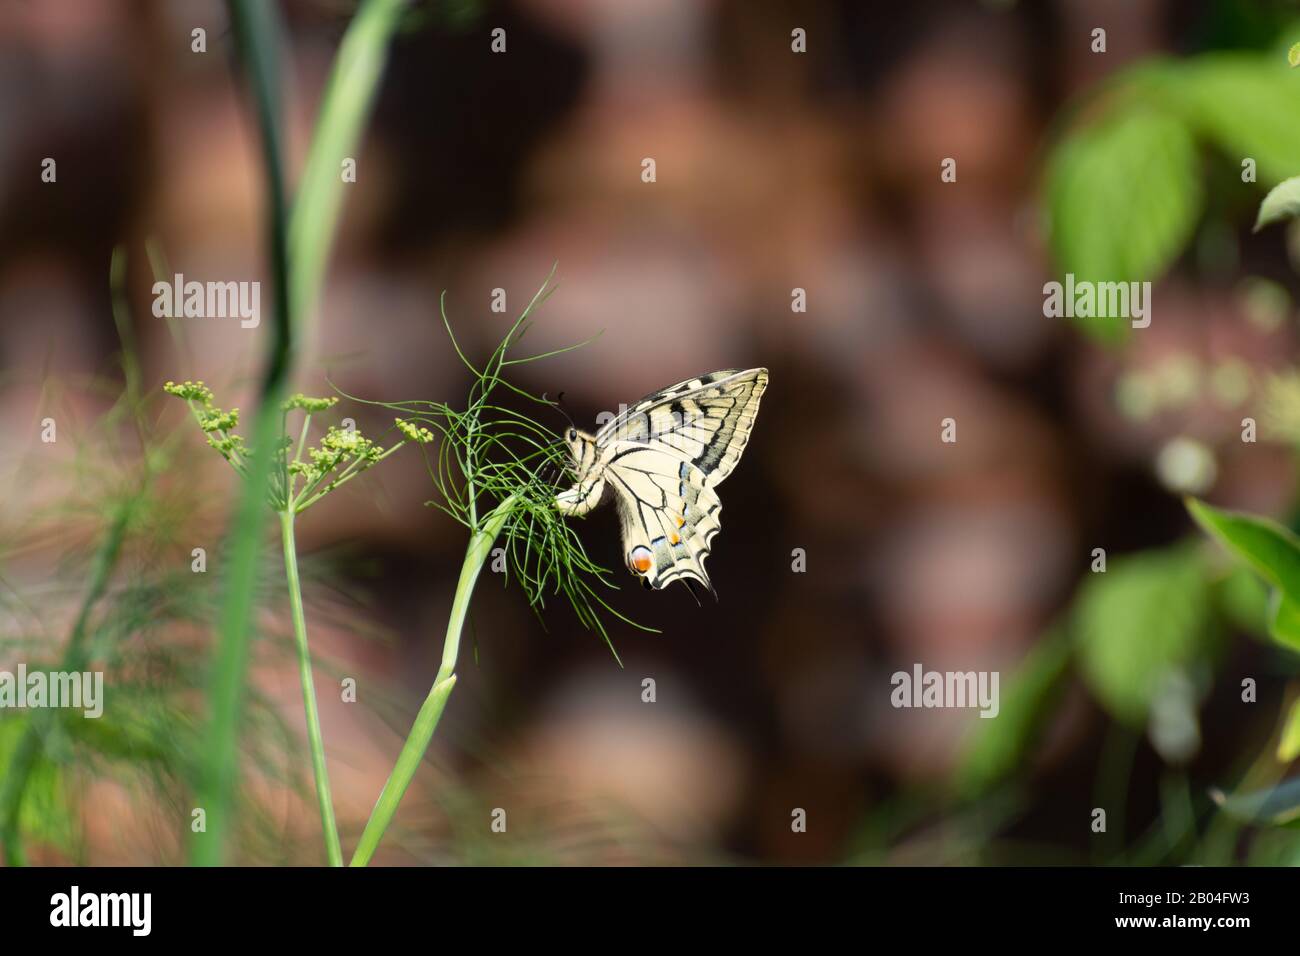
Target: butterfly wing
[(665, 456), (705, 420), (669, 516)]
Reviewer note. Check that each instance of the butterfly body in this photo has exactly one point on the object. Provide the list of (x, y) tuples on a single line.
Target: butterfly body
[(661, 460)]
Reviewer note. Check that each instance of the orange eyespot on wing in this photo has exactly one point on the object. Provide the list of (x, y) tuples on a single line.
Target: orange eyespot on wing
[(639, 559)]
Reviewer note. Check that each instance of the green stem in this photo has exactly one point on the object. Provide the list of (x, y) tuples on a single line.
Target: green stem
[(354, 80), (426, 722), (346, 103), (332, 849), (257, 34), (297, 459)]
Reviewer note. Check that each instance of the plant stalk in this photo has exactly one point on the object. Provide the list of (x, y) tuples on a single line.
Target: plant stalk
[(345, 104), (257, 33), (348, 99), (333, 850), (426, 721)]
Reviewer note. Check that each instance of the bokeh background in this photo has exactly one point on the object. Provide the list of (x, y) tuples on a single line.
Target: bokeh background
[(776, 171)]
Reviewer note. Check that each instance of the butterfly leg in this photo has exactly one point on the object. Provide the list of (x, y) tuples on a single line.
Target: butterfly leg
[(581, 498)]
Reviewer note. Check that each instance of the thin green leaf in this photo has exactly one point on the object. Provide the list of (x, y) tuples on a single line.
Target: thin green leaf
[(257, 32), (1268, 548), (345, 106)]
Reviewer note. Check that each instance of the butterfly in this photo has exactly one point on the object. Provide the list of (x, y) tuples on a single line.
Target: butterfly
[(661, 460)]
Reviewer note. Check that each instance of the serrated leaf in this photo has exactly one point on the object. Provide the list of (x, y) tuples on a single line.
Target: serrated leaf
[(1123, 197), (1278, 806), (1268, 548), (1282, 202), (1138, 623)]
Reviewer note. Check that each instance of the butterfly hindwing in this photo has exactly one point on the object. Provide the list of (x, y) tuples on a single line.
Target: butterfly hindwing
[(669, 516)]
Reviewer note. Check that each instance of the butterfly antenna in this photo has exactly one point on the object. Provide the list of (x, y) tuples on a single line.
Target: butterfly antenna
[(558, 405)]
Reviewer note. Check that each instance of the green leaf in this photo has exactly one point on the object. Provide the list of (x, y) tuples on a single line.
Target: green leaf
[(1282, 202), (1139, 622), (1293, 55), (1278, 806), (1123, 197), (1268, 548), (1246, 104), (1288, 746), (996, 747), (1124, 192)]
